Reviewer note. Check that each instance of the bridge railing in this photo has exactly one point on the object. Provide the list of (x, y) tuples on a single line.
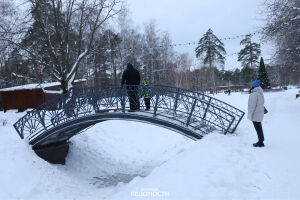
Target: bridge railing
[(238, 114), (198, 112)]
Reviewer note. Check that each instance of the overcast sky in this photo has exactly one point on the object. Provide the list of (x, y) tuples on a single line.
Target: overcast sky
[(188, 20)]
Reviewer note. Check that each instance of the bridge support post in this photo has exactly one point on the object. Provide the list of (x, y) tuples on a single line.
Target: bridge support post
[(156, 103), (55, 153), (94, 98), (42, 119), (176, 100), (123, 93), (208, 104), (191, 113)]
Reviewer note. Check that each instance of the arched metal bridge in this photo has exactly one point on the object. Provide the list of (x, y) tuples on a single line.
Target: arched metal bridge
[(190, 113)]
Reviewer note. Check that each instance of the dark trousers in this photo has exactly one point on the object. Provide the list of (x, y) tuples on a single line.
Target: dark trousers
[(132, 93), (147, 103), (259, 131)]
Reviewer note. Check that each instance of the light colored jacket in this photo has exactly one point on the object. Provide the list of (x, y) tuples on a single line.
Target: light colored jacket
[(256, 105)]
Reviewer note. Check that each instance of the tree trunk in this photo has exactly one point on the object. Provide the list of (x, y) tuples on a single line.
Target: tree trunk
[(114, 69), (212, 74), (64, 86)]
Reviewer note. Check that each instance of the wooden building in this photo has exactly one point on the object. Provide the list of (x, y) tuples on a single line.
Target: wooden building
[(31, 95)]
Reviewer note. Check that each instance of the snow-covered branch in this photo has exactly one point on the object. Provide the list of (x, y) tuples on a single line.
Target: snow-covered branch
[(75, 65)]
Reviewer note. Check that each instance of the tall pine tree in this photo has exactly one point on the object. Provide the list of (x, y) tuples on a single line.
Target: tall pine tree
[(211, 50), (262, 75), (249, 55)]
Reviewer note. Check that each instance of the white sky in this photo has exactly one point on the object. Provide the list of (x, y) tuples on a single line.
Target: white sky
[(188, 20)]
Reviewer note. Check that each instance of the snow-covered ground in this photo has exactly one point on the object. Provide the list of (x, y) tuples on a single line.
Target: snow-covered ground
[(130, 160)]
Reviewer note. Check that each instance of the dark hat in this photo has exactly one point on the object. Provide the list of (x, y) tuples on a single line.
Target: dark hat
[(129, 65)]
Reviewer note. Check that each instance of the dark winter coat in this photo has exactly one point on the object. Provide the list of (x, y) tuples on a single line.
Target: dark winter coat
[(131, 76)]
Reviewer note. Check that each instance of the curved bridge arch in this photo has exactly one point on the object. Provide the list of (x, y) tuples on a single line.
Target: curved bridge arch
[(66, 130), (189, 113)]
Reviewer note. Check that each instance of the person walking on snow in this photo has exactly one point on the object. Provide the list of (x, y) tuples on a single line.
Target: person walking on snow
[(146, 93), (131, 77), (256, 110)]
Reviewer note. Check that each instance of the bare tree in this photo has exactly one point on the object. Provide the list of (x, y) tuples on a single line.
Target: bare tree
[(283, 22), (70, 36), (10, 28), (67, 30)]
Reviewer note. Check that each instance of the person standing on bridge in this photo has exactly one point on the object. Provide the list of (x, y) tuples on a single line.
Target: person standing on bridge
[(146, 93), (256, 110), (131, 77)]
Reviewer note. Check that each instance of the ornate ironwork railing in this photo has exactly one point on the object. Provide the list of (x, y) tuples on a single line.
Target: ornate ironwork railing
[(197, 112)]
